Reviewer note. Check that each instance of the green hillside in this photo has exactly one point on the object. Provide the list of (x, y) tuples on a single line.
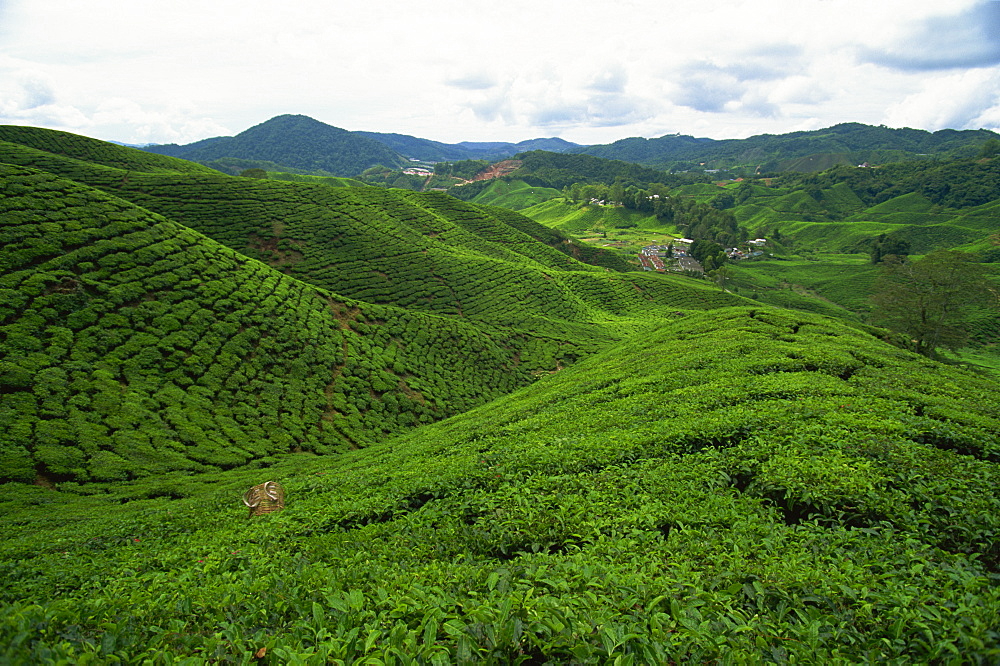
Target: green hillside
[(293, 141), (93, 151), (424, 251), (133, 346), (835, 505), (200, 373), (514, 194), (498, 444)]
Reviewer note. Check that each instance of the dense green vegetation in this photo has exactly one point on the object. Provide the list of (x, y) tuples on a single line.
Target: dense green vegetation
[(557, 170), (91, 151), (497, 444), (836, 504), (134, 346), (508, 193), (811, 150), (292, 141), (191, 351), (435, 151)]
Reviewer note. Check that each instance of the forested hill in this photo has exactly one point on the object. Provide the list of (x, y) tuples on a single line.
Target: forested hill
[(297, 142), (293, 141), (847, 143)]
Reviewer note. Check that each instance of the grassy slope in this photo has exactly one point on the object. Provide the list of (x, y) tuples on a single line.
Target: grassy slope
[(515, 195), (422, 251), (740, 484), (578, 220), (836, 504), (836, 220)]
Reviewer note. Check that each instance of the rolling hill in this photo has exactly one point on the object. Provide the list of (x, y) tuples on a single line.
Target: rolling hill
[(496, 444), (120, 276), (836, 504)]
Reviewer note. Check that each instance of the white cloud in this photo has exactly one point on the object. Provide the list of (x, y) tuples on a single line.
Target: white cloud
[(964, 100), (969, 38), (185, 70)]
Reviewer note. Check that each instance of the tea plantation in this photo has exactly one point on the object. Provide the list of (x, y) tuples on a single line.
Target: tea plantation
[(741, 486), (496, 446)]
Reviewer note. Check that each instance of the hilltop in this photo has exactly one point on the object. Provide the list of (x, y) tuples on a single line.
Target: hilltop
[(292, 141), (300, 143)]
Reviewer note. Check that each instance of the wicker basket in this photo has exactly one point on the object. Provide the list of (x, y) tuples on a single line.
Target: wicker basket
[(264, 498)]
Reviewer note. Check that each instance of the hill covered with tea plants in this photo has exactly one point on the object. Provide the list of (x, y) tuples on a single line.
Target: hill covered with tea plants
[(498, 445), (135, 343), (741, 485)]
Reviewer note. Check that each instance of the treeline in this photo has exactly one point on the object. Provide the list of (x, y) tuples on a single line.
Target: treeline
[(857, 141), (560, 170), (697, 220), (953, 184)]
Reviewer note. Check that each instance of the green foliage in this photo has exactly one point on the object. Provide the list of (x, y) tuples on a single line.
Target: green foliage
[(558, 170), (685, 479), (463, 169), (292, 141), (136, 346), (93, 151), (837, 503), (510, 194), (810, 150), (930, 300)]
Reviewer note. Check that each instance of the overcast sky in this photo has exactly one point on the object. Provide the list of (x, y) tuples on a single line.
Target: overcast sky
[(473, 70)]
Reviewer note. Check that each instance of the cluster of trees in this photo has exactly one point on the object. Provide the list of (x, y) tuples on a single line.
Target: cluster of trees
[(953, 184), (696, 219), (933, 300), (709, 254), (464, 169), (886, 247)]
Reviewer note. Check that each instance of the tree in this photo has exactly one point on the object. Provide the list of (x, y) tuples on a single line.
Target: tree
[(932, 300), (886, 246), (990, 149)]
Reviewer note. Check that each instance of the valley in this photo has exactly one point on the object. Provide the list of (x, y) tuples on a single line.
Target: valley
[(500, 440)]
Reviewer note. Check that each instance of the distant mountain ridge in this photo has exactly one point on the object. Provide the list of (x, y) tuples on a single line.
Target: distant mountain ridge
[(302, 143), (435, 151), (840, 144), (295, 141)]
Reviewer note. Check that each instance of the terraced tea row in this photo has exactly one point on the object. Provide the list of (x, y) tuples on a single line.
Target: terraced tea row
[(133, 345), (746, 485)]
